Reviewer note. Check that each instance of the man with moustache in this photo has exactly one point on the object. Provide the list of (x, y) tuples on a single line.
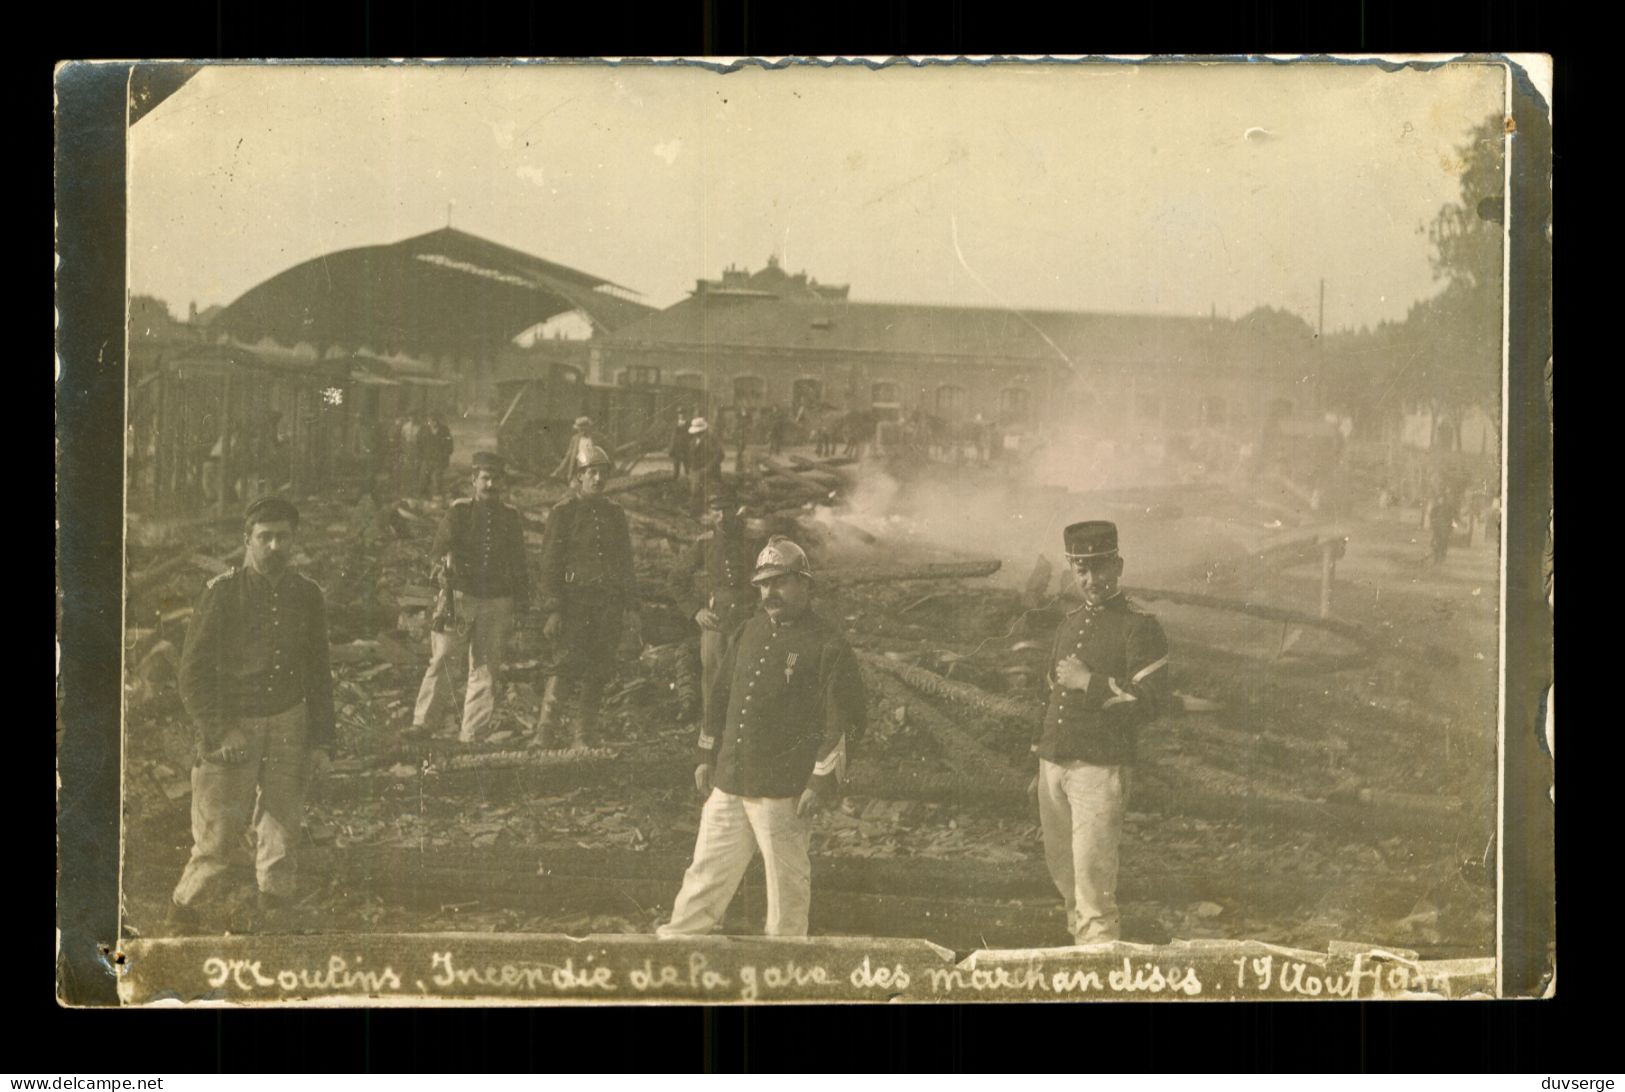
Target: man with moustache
[(772, 751), (481, 544), (588, 588), (719, 561), (256, 681), (1108, 677)]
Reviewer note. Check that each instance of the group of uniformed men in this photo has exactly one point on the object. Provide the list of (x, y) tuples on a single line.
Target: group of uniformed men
[(782, 694)]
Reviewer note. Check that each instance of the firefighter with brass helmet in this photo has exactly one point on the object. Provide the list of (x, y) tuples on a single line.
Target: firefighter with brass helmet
[(587, 589), (1107, 678), (772, 751)]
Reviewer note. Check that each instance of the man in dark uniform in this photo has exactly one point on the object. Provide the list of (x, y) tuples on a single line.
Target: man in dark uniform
[(724, 598), (587, 586), (256, 682), (705, 457), (679, 446), (1108, 676), (481, 545), (772, 751)]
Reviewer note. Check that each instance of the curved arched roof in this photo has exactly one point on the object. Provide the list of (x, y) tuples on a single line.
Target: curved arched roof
[(444, 293)]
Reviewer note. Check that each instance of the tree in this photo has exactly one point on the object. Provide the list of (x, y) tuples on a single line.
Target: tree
[(1455, 363)]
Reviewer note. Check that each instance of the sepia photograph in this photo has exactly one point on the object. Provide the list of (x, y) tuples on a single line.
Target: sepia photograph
[(782, 531)]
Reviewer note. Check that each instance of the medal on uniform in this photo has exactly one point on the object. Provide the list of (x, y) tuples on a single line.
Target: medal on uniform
[(789, 666)]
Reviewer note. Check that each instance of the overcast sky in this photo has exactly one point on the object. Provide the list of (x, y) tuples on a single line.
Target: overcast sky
[(1095, 188)]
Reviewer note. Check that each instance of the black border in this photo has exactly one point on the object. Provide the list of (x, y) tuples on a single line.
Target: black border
[(1316, 1037)]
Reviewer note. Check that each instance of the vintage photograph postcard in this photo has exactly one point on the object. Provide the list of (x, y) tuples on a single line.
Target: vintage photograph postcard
[(782, 530)]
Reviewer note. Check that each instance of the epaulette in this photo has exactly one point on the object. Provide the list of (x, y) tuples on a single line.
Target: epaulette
[(707, 536), (568, 500), (462, 501), (213, 580)]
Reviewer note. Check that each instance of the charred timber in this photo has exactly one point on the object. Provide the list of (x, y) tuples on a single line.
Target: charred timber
[(943, 570)]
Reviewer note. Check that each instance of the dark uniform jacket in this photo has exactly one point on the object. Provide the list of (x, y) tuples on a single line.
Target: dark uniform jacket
[(1125, 651), (256, 650), (723, 564), (587, 545), (706, 455), (487, 545), (789, 701)]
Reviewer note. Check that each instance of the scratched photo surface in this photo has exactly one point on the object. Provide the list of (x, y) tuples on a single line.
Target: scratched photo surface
[(897, 328)]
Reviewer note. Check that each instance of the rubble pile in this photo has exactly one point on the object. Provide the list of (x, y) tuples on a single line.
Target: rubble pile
[(1292, 795)]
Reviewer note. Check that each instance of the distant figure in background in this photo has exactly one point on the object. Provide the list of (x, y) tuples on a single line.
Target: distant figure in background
[(412, 456), (741, 438), (705, 462), (824, 436), (1441, 516), (679, 446), (580, 441), (775, 430), (394, 444), (437, 456)]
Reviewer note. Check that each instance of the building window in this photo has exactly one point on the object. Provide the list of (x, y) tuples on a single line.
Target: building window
[(883, 394), (749, 390), (806, 392), (1148, 407), (691, 380), (1014, 403), (1213, 412), (639, 376), (950, 401)]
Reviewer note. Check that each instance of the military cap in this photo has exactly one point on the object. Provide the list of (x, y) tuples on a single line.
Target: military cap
[(271, 509), (697, 426), (1091, 538), (583, 422), (488, 460), (778, 557)]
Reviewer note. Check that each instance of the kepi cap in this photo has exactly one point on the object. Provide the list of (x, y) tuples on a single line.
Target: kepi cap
[(1090, 538), (271, 509), (583, 422), (697, 426)]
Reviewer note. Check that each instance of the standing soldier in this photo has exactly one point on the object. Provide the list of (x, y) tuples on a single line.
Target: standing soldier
[(256, 682), (679, 446), (587, 586), (480, 547), (772, 751), (411, 454), (725, 598), (580, 440), (705, 457), (1107, 677)]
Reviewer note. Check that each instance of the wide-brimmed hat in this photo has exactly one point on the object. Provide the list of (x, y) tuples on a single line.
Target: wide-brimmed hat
[(697, 426)]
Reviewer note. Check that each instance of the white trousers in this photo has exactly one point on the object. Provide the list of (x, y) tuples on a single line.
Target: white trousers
[(731, 829), (481, 634), (1081, 810)]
